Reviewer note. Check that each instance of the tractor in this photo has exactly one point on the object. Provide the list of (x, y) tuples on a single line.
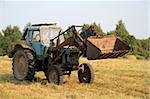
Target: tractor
[(57, 53)]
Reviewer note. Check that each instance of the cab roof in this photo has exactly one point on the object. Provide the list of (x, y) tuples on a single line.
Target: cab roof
[(44, 24), (35, 27)]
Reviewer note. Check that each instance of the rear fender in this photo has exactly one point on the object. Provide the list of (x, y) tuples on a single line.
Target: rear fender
[(19, 47)]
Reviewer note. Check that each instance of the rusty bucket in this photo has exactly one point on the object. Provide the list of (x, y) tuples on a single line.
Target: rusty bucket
[(107, 47)]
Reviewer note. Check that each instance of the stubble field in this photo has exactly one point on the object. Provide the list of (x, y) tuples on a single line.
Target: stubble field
[(114, 79)]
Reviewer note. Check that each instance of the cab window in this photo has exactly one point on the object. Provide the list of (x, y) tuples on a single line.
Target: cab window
[(36, 36)]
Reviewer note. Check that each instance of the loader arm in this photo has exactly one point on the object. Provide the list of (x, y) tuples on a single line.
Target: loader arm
[(76, 40), (93, 47)]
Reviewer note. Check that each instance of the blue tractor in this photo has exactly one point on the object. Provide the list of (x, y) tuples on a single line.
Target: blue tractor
[(54, 52), (57, 53)]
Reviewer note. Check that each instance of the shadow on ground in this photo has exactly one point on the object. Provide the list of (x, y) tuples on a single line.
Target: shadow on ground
[(8, 78)]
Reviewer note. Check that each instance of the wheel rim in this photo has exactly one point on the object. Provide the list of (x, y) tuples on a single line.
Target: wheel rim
[(53, 77), (85, 73)]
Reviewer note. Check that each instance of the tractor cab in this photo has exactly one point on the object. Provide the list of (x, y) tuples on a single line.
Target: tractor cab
[(39, 36)]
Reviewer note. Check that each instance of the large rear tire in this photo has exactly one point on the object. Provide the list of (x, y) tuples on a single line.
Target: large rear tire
[(23, 65), (55, 75), (85, 73)]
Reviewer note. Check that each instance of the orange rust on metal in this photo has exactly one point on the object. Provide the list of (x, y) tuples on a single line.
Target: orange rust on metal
[(107, 47), (105, 44)]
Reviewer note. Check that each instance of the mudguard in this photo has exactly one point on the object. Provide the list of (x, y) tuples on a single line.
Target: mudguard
[(18, 47)]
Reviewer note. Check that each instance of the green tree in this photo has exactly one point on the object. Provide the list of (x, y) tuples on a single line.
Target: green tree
[(1, 50), (98, 29), (10, 38), (121, 30), (145, 48), (113, 32)]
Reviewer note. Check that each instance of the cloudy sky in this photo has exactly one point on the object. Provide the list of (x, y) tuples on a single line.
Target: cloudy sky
[(134, 14)]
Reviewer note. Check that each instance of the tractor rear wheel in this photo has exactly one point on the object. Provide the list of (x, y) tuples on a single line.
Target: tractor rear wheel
[(23, 62), (55, 75), (85, 73)]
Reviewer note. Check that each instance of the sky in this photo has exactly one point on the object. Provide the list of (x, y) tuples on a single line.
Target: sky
[(134, 13)]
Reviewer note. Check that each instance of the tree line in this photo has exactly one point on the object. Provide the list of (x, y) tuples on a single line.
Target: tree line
[(140, 47)]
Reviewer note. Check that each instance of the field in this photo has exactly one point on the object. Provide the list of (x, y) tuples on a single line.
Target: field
[(114, 79)]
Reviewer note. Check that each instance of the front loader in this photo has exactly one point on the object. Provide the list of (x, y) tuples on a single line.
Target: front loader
[(57, 53)]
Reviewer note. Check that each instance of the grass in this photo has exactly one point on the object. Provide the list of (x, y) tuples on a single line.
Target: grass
[(114, 79)]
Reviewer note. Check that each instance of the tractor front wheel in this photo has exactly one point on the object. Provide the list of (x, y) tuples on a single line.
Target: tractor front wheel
[(55, 75), (85, 73)]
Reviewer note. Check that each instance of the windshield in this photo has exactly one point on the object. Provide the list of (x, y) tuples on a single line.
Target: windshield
[(49, 33)]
